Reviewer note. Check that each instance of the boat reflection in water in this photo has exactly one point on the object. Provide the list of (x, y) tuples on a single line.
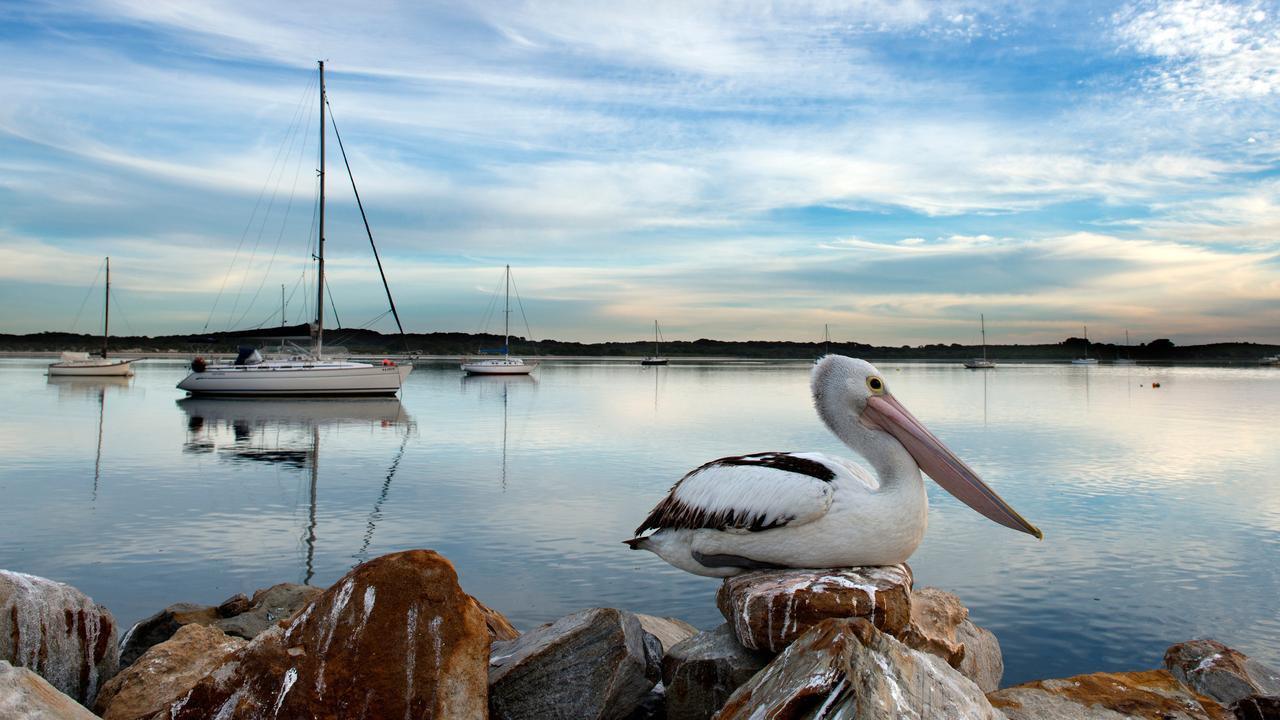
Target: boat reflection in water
[(83, 386), (488, 384), (286, 432)]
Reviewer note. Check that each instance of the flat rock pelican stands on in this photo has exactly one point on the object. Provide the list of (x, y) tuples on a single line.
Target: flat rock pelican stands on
[(809, 510)]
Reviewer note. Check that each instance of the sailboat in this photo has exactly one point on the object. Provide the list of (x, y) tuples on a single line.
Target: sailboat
[(1126, 360), (505, 365), (81, 364), (981, 363), (1086, 360), (656, 358), (306, 375)]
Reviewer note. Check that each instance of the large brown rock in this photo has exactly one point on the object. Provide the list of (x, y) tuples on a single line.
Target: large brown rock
[(597, 663), (1148, 695), (940, 625), (157, 628), (1215, 670), (395, 637), (700, 673), (25, 695), (768, 609), (165, 672), (846, 668), (57, 632)]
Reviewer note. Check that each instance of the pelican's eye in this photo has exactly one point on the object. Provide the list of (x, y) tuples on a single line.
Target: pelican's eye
[(875, 384)]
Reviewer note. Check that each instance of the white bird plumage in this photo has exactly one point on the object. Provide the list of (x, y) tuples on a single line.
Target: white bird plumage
[(812, 510)]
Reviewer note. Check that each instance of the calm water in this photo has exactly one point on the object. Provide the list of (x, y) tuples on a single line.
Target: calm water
[(1160, 507)]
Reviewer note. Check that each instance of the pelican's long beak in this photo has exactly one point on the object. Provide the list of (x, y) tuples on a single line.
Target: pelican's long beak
[(936, 459)]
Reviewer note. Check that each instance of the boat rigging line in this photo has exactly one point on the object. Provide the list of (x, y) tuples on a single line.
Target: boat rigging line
[(87, 293)]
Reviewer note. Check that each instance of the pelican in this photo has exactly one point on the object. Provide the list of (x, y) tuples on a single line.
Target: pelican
[(810, 510)]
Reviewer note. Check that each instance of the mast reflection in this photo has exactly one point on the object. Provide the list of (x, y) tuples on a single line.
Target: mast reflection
[(287, 433)]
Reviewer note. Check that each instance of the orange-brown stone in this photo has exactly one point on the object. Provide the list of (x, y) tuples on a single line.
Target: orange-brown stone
[(768, 609), (395, 637), (1148, 695)]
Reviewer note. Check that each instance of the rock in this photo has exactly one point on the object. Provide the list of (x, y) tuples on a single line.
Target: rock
[(161, 626), (700, 673), (1153, 694), (238, 615), (597, 663), (268, 607), (770, 608), (57, 632), (25, 695), (500, 628), (165, 672), (983, 663), (846, 668), (940, 625), (1257, 707), (1215, 670), (395, 637), (234, 605), (669, 631), (653, 706)]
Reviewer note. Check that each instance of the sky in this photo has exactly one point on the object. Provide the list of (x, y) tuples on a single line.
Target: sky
[(735, 170)]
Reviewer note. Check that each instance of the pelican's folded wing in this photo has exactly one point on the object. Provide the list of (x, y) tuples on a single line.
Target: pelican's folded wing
[(748, 493)]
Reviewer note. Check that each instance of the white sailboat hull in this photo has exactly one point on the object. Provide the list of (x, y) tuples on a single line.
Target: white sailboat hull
[(979, 364), (297, 379), (508, 366), (93, 367), (1084, 361)]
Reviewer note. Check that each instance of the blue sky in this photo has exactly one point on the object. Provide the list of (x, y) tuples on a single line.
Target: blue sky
[(736, 170)]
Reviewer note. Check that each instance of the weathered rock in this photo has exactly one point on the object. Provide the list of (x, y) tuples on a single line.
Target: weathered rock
[(1215, 670), (597, 663), (940, 625), (1152, 694), (669, 631), (1257, 707), (983, 663), (57, 632), (165, 672), (161, 626), (846, 668), (500, 628), (238, 615), (234, 605), (25, 695), (700, 673), (395, 637), (770, 608), (268, 607)]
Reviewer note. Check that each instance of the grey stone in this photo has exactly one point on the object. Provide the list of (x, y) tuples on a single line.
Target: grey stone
[(1215, 670), (1257, 707), (1152, 694), (268, 607), (983, 663), (700, 673), (846, 668), (25, 695), (57, 632), (597, 663), (669, 631), (160, 627)]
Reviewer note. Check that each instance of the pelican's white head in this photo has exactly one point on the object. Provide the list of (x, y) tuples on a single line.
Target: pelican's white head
[(853, 399)]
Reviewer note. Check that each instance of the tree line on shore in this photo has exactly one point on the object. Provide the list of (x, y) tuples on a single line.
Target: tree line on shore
[(360, 341)]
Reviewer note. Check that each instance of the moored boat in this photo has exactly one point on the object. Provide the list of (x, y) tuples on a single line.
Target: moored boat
[(504, 365), (82, 364)]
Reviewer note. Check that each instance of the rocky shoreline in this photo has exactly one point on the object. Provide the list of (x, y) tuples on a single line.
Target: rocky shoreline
[(397, 637)]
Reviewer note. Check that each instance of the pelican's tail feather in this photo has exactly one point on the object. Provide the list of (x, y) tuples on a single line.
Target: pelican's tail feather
[(638, 543)]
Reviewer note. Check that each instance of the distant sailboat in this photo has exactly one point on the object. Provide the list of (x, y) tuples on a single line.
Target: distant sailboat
[(1126, 360), (81, 364), (505, 365), (981, 363), (656, 358), (1086, 360), (826, 343)]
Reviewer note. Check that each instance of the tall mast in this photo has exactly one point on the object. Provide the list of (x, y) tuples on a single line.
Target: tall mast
[(506, 318), (655, 338), (826, 337), (106, 308), (1086, 341), (320, 238), (983, 319)]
